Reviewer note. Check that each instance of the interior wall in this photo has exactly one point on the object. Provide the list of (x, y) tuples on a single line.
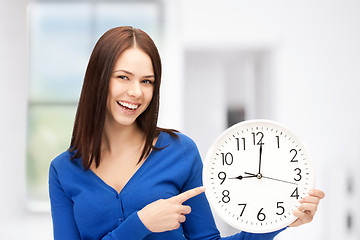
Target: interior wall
[(205, 97)]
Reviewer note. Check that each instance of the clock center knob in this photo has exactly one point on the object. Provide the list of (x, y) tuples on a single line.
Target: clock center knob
[(259, 176)]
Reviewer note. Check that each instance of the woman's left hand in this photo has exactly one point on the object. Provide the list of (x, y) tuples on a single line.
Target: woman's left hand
[(308, 207)]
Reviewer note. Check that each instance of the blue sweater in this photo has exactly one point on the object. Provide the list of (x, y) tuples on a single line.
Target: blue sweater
[(85, 207)]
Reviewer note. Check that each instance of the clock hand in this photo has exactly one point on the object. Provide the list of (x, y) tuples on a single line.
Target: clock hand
[(260, 154), (259, 176), (250, 174), (279, 180), (241, 177)]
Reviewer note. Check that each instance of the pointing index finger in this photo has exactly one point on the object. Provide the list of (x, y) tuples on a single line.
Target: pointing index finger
[(182, 197)]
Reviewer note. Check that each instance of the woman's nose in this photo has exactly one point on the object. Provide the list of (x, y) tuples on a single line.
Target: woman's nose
[(134, 89)]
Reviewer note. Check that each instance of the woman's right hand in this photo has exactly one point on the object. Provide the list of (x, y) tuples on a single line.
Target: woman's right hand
[(167, 214)]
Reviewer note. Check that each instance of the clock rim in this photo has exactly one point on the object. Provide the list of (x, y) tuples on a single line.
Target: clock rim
[(211, 150)]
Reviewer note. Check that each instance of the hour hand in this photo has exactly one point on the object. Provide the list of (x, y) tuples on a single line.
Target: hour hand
[(241, 177)]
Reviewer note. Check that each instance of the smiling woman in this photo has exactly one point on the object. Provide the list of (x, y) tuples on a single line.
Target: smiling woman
[(114, 52), (123, 177)]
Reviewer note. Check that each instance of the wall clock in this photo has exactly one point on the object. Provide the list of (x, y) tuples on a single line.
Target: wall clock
[(255, 173)]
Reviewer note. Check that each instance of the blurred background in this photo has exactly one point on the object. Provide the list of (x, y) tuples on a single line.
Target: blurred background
[(296, 62)]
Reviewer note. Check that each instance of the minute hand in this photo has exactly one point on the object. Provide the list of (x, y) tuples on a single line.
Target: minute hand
[(261, 176), (260, 154)]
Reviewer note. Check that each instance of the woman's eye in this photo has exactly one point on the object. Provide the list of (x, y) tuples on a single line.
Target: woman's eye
[(122, 77), (147, 81)]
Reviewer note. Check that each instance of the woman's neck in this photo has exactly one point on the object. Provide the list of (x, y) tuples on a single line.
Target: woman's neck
[(116, 138)]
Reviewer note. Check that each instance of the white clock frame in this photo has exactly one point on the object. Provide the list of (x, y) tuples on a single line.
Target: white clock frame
[(286, 166)]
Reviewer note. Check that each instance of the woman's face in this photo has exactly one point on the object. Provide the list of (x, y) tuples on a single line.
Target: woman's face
[(130, 88)]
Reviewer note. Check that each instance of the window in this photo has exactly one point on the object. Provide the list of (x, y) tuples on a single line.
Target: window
[(61, 38)]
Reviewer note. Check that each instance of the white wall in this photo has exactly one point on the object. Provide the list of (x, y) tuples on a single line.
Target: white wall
[(316, 84)]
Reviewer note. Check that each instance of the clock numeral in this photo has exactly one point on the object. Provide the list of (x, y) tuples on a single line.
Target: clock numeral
[(261, 216), (295, 193), (282, 209), (227, 158), (298, 174), (244, 206), (260, 140), (278, 141), (226, 197), (295, 153), (238, 143), (222, 177)]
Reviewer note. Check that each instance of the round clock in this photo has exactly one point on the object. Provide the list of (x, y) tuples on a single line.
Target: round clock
[(255, 173)]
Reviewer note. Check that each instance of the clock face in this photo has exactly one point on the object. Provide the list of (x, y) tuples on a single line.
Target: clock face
[(255, 173)]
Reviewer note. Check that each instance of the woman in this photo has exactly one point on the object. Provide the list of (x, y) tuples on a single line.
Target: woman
[(123, 177)]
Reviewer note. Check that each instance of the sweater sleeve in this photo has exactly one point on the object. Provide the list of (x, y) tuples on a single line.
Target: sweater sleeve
[(64, 224), (200, 224), (132, 229)]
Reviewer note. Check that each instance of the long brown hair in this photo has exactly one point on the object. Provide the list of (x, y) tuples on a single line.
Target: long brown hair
[(90, 115)]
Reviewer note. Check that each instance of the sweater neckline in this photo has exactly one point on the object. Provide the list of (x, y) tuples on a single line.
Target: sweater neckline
[(134, 176)]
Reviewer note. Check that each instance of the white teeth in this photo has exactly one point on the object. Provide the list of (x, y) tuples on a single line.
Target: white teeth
[(128, 105)]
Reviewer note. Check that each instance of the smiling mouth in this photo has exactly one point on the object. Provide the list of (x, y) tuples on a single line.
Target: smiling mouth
[(128, 106)]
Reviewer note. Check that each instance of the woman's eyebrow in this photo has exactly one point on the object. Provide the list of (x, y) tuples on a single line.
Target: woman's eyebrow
[(127, 72), (149, 76), (130, 73)]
